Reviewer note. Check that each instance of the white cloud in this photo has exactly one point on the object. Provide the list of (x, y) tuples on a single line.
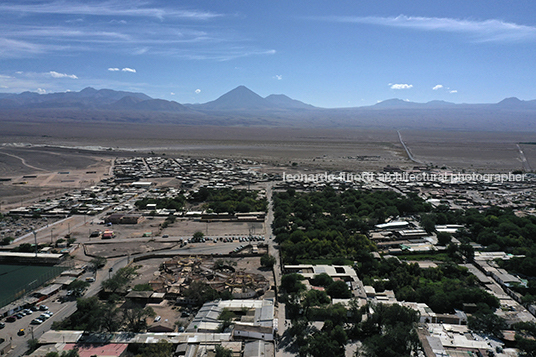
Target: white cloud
[(278, 77), (141, 51), (15, 48), (197, 91), (483, 31), (106, 8), (401, 86), (55, 74), (41, 91), (172, 93), (131, 70), (113, 69), (453, 91), (141, 37), (437, 87)]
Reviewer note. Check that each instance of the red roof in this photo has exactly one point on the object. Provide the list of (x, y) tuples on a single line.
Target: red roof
[(108, 350)]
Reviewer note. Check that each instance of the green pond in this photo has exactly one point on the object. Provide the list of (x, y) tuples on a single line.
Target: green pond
[(17, 280)]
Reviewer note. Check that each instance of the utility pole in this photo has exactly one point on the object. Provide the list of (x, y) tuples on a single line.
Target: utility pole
[(35, 240)]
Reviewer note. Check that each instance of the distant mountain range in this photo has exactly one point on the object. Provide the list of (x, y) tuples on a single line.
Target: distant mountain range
[(241, 106)]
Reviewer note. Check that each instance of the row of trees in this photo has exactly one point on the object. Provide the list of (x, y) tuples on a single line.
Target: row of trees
[(229, 200), (98, 316), (176, 203)]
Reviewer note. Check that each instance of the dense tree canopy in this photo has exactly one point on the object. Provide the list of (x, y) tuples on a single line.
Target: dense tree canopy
[(229, 200), (443, 289), (176, 203), (390, 332), (326, 224)]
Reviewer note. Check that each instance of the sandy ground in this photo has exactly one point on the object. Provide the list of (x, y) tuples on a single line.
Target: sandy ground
[(43, 161)]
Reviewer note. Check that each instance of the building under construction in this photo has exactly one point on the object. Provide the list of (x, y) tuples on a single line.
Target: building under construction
[(178, 273)]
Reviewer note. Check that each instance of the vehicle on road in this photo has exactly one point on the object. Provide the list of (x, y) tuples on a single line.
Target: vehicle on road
[(21, 332)]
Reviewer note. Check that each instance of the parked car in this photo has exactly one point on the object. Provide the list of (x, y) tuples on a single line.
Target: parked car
[(43, 308), (158, 318), (37, 321), (2, 325)]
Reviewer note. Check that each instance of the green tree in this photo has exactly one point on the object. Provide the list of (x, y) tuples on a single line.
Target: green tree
[(223, 352), (198, 236), (111, 318), (443, 238), (316, 298), (70, 353), (321, 344), (120, 280), (7, 240), (268, 261), (142, 287), (200, 292), (322, 279), (136, 318), (428, 223), (33, 344), (487, 323), (338, 289), (390, 332), (468, 251), (97, 263), (291, 283), (79, 286), (162, 348)]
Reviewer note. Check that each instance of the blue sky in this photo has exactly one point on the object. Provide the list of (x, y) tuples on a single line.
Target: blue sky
[(325, 53)]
